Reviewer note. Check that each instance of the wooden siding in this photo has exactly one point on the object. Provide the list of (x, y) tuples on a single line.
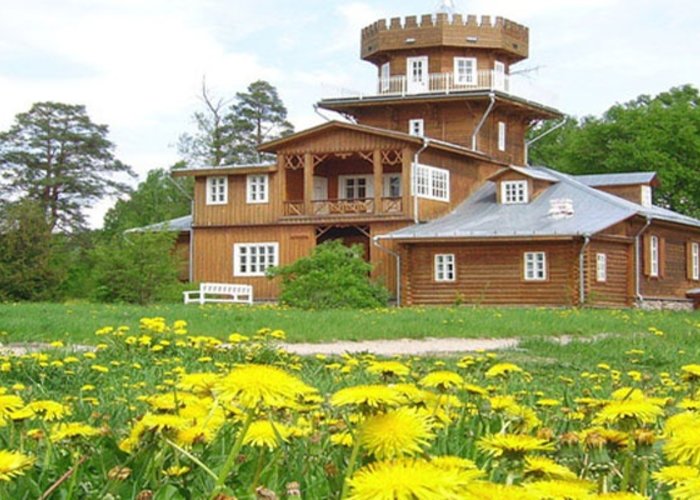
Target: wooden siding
[(617, 289), (441, 59), (491, 273), (672, 282), (632, 193), (335, 141)]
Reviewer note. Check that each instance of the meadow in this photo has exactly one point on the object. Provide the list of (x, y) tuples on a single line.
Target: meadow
[(161, 411)]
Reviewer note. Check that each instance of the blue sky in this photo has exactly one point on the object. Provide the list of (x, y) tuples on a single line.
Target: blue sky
[(138, 64)]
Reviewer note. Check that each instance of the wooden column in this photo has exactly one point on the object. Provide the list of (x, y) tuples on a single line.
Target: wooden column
[(308, 182), (378, 180), (282, 195), (406, 198)]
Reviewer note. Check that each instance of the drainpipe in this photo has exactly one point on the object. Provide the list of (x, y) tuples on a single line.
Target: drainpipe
[(637, 266), (492, 97), (397, 256), (581, 270), (537, 138), (426, 143)]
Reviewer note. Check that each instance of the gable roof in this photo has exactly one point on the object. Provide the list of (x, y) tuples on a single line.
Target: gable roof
[(273, 146), (620, 179), (526, 171), (481, 216)]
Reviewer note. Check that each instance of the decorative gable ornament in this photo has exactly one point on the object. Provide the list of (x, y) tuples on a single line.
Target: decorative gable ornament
[(561, 208)]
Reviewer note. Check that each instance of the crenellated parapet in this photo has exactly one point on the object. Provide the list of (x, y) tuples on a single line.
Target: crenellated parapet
[(443, 30)]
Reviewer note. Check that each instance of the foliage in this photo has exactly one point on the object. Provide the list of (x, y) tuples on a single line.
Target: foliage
[(28, 254), (160, 412), (158, 198), (138, 268), (333, 276), (55, 155), (660, 133), (231, 135)]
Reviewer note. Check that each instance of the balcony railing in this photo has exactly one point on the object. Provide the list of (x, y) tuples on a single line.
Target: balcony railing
[(322, 208), (444, 83)]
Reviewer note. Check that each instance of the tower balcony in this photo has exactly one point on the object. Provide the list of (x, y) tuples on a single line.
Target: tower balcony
[(443, 83)]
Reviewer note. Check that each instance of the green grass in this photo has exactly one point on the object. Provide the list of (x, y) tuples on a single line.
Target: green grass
[(76, 322)]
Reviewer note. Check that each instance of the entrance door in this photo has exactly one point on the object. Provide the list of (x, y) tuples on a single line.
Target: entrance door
[(499, 76), (417, 74), (320, 188)]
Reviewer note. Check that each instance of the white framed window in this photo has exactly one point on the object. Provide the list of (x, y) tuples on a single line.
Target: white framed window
[(253, 259), (385, 77), (416, 127), (601, 267), (654, 256), (445, 267), (257, 188), (646, 196), (392, 186), (695, 261), (217, 190), (432, 183), (465, 70), (501, 136), (513, 192), (355, 187), (535, 266)]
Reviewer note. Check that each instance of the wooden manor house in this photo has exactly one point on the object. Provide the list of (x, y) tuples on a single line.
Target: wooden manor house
[(430, 174)]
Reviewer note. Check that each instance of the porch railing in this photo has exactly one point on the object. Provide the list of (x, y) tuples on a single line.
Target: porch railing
[(444, 83), (321, 208)]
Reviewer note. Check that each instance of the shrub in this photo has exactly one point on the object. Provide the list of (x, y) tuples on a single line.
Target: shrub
[(332, 277)]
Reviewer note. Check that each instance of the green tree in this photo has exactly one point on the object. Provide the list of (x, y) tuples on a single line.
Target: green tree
[(55, 155), (332, 277), (158, 198), (29, 267), (660, 134), (139, 268)]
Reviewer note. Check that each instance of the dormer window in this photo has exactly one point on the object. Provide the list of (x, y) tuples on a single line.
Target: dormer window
[(646, 196), (514, 192), (217, 190)]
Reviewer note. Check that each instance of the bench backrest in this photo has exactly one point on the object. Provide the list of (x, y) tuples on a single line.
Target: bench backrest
[(224, 288)]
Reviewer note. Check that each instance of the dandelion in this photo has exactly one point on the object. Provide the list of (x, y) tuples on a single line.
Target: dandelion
[(558, 489), (512, 445), (9, 404), (395, 433), (176, 470), (386, 368), (443, 380), (452, 462), (687, 490), (547, 468), (13, 464), (673, 475), (683, 446), (264, 433), (639, 411), (502, 369), (690, 372), (70, 430), (373, 396)]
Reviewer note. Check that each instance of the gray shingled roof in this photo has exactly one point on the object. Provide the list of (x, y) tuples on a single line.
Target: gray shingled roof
[(179, 224), (621, 179), (481, 216)]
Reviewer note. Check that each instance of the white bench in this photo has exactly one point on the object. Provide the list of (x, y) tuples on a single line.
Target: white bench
[(220, 292)]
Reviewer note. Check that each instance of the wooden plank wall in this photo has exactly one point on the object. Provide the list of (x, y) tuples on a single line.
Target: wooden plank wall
[(441, 59), (383, 262), (617, 289), (182, 254), (492, 273), (631, 193)]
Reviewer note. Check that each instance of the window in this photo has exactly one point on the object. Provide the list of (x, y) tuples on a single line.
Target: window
[(646, 196), (444, 267), (392, 186), (654, 257), (385, 77), (415, 127), (465, 70), (695, 261), (601, 267), (514, 192), (355, 187), (501, 136), (432, 183), (257, 188), (253, 259), (217, 190), (535, 266)]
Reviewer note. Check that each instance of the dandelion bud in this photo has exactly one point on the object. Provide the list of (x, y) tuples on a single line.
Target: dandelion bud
[(569, 439), (119, 473), (145, 495), (644, 437), (545, 433), (293, 489), (262, 493)]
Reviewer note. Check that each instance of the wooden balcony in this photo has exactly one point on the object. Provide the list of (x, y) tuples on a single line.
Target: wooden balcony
[(342, 208), (443, 83)]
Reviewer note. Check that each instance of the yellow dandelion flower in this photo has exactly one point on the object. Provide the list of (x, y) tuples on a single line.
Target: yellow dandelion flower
[(543, 467), (475, 389), (502, 370), (683, 446), (512, 445), (501, 403), (10, 403), (396, 433), (250, 385), (690, 372), (49, 410), (176, 470), (263, 433), (638, 410), (548, 402), (673, 475), (70, 430), (620, 495), (13, 464), (452, 462), (485, 490), (408, 479), (343, 438), (687, 490), (199, 383), (442, 379), (388, 368), (560, 490), (374, 396)]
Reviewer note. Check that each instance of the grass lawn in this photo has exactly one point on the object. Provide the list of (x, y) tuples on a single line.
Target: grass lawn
[(76, 322)]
